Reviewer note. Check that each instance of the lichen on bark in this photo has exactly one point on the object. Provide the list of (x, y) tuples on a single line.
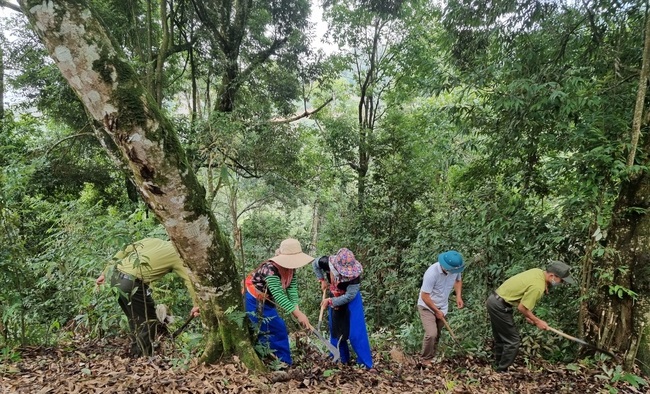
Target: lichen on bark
[(115, 98)]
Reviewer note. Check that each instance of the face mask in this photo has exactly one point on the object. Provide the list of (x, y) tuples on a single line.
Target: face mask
[(554, 283)]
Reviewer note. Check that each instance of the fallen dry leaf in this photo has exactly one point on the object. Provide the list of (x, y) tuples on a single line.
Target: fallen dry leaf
[(59, 370)]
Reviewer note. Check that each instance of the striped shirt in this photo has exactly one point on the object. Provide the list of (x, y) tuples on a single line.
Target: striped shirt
[(266, 279)]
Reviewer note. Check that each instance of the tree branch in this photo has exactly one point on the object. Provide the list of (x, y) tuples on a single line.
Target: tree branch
[(7, 4), (258, 59), (205, 18), (354, 166), (305, 114), (66, 138), (255, 204), (234, 164)]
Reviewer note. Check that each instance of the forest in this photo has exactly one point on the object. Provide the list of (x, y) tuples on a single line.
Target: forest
[(511, 131)]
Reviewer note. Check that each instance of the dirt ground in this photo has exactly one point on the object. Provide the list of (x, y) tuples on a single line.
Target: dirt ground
[(101, 366)]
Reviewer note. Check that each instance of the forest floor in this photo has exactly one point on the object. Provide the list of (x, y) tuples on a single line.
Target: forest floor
[(101, 366)]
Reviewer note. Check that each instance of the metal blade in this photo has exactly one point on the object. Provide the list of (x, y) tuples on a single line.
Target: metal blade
[(580, 341), (182, 328), (332, 349)]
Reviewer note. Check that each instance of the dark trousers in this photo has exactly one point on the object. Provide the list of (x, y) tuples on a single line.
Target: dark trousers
[(139, 307), (506, 335), (357, 333)]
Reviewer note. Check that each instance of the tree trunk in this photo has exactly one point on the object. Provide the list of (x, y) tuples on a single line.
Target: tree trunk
[(620, 314), (228, 88), (624, 308), (315, 221), (115, 98), (195, 90), (367, 113), (2, 81), (162, 54), (641, 93)]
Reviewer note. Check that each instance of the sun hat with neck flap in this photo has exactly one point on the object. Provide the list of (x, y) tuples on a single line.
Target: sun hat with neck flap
[(452, 262), (346, 264), (290, 255)]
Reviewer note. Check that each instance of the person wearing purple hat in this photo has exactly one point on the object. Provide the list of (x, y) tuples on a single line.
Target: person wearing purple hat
[(341, 274), (437, 283), (521, 292)]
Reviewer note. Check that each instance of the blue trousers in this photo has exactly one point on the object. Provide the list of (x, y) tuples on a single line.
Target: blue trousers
[(272, 329), (358, 334)]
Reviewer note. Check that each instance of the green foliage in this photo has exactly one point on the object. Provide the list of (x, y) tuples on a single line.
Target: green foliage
[(329, 372), (188, 351), (264, 232), (57, 241), (621, 291), (617, 375), (501, 132), (39, 82), (410, 337), (238, 317)]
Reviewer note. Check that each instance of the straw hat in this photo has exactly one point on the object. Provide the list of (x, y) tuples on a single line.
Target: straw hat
[(290, 255)]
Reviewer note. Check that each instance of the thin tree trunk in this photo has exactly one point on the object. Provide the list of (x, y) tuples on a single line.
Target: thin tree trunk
[(315, 221), (150, 77), (208, 101), (366, 113), (195, 90), (162, 53), (2, 81), (640, 97)]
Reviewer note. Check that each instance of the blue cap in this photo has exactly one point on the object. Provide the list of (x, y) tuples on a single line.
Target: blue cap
[(452, 262)]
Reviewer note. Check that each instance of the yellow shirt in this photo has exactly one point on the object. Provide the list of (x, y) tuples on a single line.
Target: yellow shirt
[(151, 259), (526, 288)]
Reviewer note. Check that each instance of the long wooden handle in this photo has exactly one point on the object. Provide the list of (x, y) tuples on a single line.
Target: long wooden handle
[(451, 332), (322, 308), (567, 336)]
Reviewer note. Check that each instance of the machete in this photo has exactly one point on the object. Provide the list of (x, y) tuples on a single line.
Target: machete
[(580, 341), (336, 354), (183, 327)]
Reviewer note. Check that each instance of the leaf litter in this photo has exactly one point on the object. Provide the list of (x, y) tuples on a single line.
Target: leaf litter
[(101, 366)]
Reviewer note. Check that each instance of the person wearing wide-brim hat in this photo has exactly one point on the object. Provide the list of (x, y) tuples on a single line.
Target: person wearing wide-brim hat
[(521, 292), (437, 283), (273, 284), (341, 274)]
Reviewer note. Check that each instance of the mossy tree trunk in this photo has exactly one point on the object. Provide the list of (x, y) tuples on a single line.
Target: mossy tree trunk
[(619, 316), (122, 108), (622, 311)]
